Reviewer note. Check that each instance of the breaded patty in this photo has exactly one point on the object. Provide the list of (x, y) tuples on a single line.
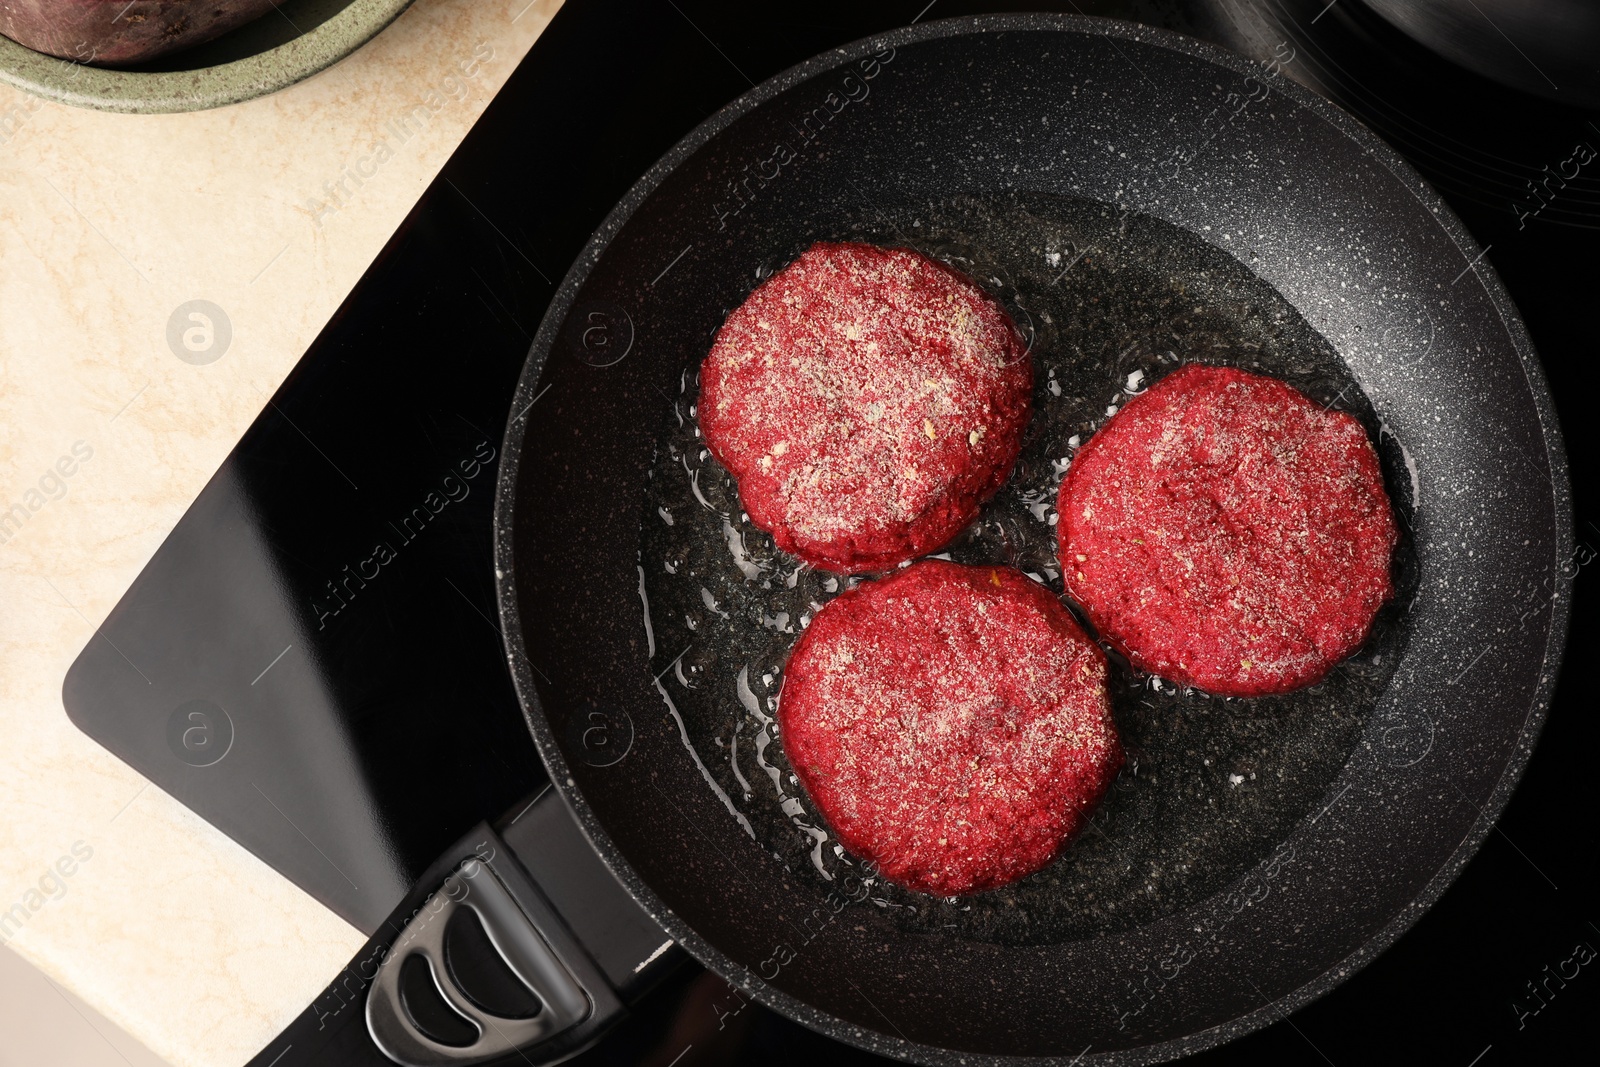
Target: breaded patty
[(868, 401), (951, 724), (1226, 532)]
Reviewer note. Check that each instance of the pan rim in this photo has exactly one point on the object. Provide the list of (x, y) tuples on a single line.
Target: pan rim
[(1345, 124)]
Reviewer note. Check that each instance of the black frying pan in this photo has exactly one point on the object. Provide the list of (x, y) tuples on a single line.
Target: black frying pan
[(1137, 199)]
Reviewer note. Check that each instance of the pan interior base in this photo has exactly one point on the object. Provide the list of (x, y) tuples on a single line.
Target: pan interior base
[(1112, 301)]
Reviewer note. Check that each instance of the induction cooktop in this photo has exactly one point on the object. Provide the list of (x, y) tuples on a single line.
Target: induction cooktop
[(312, 661)]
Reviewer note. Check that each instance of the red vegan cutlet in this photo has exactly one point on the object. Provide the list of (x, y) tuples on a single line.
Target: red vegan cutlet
[(1224, 531), (951, 724), (868, 401)]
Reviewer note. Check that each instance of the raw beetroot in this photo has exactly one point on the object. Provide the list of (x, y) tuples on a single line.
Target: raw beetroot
[(113, 32)]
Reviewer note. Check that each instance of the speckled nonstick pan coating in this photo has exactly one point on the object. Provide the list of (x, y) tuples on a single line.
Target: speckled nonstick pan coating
[(1016, 114)]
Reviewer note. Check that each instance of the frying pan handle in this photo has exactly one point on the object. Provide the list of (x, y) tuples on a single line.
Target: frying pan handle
[(560, 1002), (518, 945)]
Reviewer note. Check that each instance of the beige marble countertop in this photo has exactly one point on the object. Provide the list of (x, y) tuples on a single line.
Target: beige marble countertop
[(271, 210)]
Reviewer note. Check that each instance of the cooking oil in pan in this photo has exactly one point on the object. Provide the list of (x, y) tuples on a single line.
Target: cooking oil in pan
[(1111, 302)]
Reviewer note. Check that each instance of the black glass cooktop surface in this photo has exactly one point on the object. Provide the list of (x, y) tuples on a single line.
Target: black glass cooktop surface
[(312, 660)]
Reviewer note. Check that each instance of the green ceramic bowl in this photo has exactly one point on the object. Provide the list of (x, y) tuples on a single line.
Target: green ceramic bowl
[(260, 57)]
